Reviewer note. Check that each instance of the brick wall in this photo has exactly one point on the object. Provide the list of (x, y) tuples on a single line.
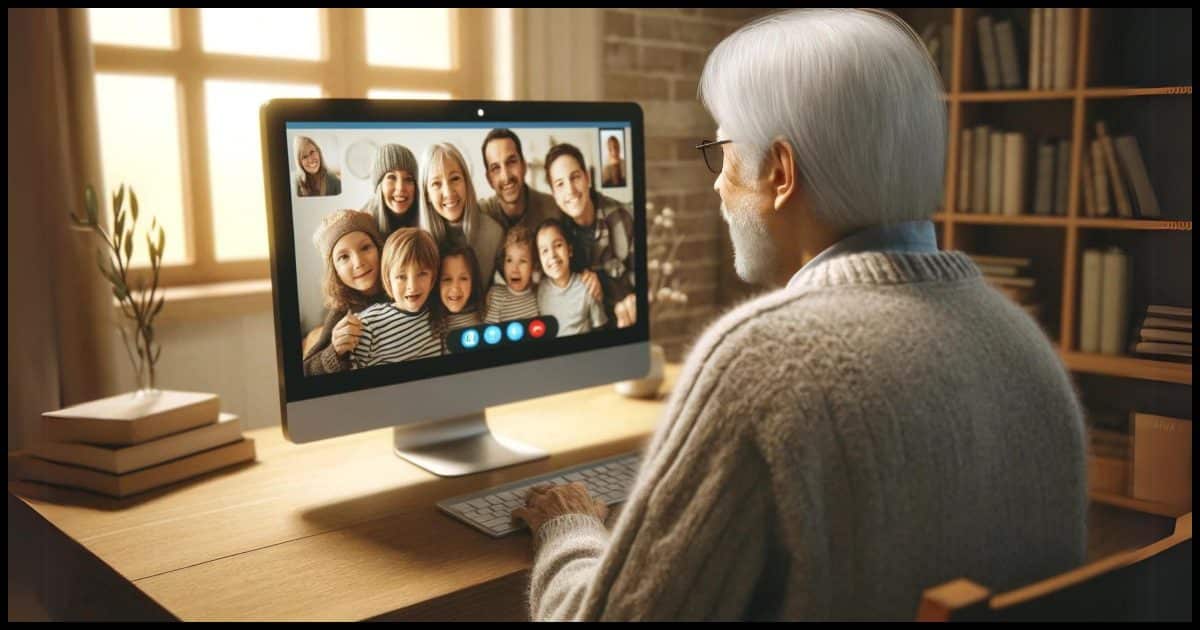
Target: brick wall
[(654, 57)]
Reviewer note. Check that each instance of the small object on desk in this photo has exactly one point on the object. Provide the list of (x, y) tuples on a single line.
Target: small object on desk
[(490, 510)]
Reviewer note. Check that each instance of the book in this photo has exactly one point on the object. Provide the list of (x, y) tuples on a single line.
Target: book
[(1162, 459), (1011, 261), (1108, 474), (1164, 348), (119, 486), (1014, 173), (1006, 49), (1135, 171), (1089, 301), (1167, 322), (996, 172), (965, 153), (1100, 180), (1114, 301), (987, 52), (1158, 334), (129, 458), (1064, 48), (1089, 187), (1169, 311), (1115, 443), (1035, 48), (1062, 175), (979, 163), (1048, 48), (1120, 196), (1043, 185), (998, 270), (129, 419)]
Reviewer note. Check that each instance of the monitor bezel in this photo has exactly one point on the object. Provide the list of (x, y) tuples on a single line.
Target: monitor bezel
[(276, 114)]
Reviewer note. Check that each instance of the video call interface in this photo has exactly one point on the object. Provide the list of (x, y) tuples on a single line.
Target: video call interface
[(420, 240)]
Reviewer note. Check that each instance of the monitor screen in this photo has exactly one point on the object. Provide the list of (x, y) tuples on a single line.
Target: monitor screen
[(412, 240)]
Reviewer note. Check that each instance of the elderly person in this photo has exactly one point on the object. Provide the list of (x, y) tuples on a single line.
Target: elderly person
[(882, 423)]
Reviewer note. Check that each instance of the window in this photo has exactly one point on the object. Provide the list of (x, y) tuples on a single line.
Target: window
[(178, 93)]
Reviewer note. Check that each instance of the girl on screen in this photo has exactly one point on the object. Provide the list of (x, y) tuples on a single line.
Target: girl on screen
[(450, 209), (460, 289), (394, 200), (349, 242), (313, 179)]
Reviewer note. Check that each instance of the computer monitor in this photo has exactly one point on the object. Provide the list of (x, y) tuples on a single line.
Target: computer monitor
[(421, 363)]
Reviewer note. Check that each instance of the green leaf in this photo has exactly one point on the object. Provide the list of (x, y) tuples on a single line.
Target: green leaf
[(119, 293), (162, 239), (119, 224), (119, 199), (133, 204), (158, 307), (129, 244), (150, 246), (89, 204)]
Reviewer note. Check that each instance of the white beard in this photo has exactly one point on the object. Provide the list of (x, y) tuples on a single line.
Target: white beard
[(754, 252)]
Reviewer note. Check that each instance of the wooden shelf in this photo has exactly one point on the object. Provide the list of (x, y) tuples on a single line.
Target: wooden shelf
[(1134, 224), (1119, 92), (1128, 367), (1013, 96), (1148, 507), (1020, 220)]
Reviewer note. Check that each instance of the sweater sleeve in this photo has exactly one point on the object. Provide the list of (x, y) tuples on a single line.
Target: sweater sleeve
[(690, 543)]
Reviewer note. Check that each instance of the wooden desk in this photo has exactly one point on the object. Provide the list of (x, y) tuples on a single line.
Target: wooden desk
[(332, 530)]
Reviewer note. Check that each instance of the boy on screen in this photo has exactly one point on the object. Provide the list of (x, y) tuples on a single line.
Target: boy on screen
[(517, 299), (402, 330)]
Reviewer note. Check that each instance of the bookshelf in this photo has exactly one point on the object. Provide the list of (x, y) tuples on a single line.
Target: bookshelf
[(1133, 71)]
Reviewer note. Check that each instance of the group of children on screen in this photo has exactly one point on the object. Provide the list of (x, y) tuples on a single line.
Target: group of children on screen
[(432, 297)]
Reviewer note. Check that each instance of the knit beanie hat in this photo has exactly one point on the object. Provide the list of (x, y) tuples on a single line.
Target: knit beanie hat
[(392, 157), (340, 223)]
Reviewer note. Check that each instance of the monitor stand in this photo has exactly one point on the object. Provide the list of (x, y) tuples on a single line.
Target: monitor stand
[(453, 447)]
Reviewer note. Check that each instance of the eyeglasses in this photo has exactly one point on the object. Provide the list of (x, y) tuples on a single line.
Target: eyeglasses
[(714, 155)]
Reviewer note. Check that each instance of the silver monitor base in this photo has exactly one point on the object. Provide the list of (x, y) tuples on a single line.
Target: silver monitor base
[(460, 446)]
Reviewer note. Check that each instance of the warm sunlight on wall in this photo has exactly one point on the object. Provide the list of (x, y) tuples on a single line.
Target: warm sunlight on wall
[(144, 28), (425, 47), (235, 163), (289, 33), (139, 145)]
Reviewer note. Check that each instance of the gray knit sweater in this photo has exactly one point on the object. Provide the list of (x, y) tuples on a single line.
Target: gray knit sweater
[(887, 424)]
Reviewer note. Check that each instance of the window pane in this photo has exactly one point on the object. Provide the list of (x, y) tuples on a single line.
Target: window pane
[(290, 33), (145, 28), (409, 38), (139, 145), (406, 94), (235, 163)]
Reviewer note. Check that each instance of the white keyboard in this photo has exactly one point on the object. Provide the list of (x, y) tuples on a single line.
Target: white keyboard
[(490, 510)]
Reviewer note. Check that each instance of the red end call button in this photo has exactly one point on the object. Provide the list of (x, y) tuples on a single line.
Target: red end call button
[(537, 328)]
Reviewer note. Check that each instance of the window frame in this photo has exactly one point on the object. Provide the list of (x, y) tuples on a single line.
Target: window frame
[(341, 72)]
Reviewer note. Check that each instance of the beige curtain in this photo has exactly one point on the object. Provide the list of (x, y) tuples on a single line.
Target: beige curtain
[(60, 319)]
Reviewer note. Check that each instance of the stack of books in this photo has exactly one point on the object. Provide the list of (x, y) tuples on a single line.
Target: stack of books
[(1012, 277), (1115, 180), (1108, 461), (1051, 50), (128, 444), (1104, 301), (1165, 331), (993, 168)]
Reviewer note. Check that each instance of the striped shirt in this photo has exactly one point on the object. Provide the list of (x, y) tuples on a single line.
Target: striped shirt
[(504, 304), (391, 335), (462, 320)]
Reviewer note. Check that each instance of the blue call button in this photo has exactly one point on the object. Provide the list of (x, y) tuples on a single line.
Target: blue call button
[(470, 338), (515, 331), (492, 335)]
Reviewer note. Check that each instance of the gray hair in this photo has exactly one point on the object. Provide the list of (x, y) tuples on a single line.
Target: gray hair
[(855, 94), (430, 219)]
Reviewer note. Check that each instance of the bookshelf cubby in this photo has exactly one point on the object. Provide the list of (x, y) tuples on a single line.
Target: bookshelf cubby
[(1132, 70)]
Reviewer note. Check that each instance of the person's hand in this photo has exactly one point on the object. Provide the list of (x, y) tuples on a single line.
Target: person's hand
[(546, 502), (346, 334), (592, 282), (626, 311)]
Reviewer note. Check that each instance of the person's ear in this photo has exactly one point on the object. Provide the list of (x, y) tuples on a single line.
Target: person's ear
[(783, 172)]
